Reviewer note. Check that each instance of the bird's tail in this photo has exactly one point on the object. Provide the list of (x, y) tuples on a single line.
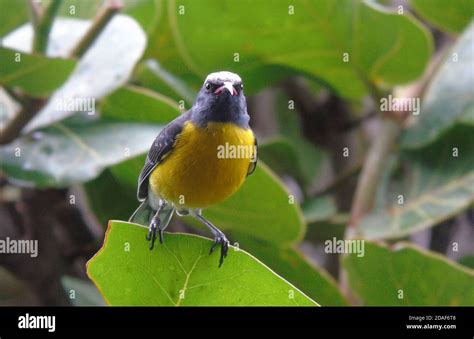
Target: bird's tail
[(142, 214), (145, 212)]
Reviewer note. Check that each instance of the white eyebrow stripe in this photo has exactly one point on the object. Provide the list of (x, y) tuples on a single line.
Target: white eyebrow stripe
[(223, 76)]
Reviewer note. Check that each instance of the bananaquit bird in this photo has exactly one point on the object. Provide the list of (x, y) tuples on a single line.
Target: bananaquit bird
[(184, 170)]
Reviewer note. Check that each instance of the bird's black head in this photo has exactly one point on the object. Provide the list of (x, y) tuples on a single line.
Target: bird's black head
[(221, 99)]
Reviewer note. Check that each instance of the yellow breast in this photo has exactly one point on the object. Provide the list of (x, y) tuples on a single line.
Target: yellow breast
[(206, 165)]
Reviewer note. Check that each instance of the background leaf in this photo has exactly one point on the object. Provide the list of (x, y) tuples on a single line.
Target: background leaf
[(467, 261), (106, 209), (311, 159), (79, 9), (145, 12), (314, 281), (449, 97), (131, 103), (183, 267), (74, 151), (98, 73), (152, 75), (436, 186), (319, 209), (395, 52), (444, 14), (285, 157), (35, 75), (12, 14), (85, 293), (426, 278)]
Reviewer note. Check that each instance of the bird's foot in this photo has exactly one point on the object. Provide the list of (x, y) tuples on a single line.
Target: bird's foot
[(224, 243), (153, 230)]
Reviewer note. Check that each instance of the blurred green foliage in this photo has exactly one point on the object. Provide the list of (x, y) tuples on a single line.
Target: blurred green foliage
[(399, 277), (443, 15), (35, 75), (354, 49)]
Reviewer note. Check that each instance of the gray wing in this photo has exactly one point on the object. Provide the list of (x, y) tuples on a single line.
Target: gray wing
[(162, 145), (253, 164)]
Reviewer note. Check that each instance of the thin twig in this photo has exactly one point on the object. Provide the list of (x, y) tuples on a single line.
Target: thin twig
[(36, 12), (372, 169), (28, 110), (392, 125), (101, 20), (43, 26), (15, 95)]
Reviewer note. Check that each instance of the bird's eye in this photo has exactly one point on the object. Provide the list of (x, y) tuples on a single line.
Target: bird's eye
[(207, 86), (241, 86)]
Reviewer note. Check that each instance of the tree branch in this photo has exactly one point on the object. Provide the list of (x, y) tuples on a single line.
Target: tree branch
[(100, 21), (35, 12), (372, 169), (391, 125), (43, 25), (28, 110)]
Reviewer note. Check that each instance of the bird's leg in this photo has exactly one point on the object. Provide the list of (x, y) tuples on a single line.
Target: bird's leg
[(155, 226), (219, 238)]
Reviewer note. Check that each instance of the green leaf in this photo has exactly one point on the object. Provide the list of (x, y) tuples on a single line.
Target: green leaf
[(311, 159), (145, 12), (314, 281), (152, 75), (182, 273), (467, 261), (251, 211), (395, 52), (81, 293), (12, 14), (122, 179), (128, 171), (98, 73), (34, 74), (74, 151), (321, 231), (281, 156), (319, 209), (447, 15), (131, 103), (424, 278), (292, 157), (436, 186), (99, 189), (79, 9), (449, 96)]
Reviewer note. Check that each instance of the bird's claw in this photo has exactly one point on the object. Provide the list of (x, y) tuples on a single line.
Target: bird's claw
[(153, 231), (221, 240), (160, 233)]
